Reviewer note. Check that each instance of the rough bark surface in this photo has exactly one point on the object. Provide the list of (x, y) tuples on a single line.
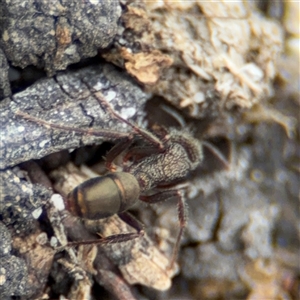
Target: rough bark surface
[(55, 34), (66, 99)]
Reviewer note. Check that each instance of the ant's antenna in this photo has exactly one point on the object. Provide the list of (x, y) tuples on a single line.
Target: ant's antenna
[(180, 120), (214, 150)]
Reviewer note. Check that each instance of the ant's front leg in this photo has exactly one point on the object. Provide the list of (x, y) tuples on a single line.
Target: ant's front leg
[(115, 151), (182, 214)]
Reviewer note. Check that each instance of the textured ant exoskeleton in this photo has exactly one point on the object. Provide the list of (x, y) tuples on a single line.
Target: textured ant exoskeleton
[(152, 165)]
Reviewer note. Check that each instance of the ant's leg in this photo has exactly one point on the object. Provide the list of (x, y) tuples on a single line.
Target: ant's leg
[(148, 136), (113, 239), (117, 238), (161, 196), (139, 153), (182, 218), (136, 152), (182, 214), (89, 131), (132, 221), (115, 151)]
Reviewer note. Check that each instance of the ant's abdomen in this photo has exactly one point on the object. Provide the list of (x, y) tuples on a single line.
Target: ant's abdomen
[(104, 196)]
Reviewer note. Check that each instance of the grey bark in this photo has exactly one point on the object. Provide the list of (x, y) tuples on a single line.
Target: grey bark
[(55, 34), (66, 99)]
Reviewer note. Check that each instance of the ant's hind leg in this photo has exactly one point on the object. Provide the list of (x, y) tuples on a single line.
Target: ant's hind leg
[(182, 214), (112, 239)]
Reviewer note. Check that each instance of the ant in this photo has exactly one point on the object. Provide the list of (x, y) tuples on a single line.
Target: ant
[(152, 165)]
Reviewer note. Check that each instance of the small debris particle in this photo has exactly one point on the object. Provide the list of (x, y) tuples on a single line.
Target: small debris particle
[(37, 212), (57, 201)]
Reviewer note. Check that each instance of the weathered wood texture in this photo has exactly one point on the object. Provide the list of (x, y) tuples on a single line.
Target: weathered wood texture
[(67, 99), (55, 34)]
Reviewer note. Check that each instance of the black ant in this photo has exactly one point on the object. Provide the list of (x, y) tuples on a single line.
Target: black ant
[(152, 164)]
